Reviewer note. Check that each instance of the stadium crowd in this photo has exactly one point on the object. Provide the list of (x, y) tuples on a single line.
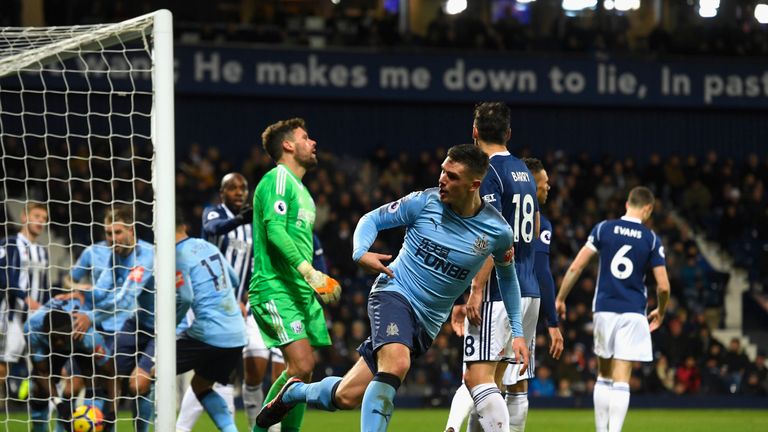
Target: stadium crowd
[(584, 191), (539, 26)]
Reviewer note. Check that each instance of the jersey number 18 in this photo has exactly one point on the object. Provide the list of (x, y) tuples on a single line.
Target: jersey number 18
[(526, 226)]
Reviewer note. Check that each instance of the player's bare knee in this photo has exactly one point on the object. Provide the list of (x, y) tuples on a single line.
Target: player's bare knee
[(302, 368), (519, 387), (346, 399), (396, 366)]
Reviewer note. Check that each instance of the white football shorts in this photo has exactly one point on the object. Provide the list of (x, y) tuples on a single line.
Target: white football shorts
[(623, 336), (529, 310)]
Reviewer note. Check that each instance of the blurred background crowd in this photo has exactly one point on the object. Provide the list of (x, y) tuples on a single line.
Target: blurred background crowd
[(655, 27)]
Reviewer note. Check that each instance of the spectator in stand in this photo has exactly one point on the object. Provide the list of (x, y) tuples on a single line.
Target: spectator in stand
[(687, 377)]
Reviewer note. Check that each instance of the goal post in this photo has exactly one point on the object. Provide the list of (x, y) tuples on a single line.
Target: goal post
[(87, 124)]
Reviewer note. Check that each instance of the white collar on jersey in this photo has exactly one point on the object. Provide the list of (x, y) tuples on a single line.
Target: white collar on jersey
[(501, 153), (23, 238), (631, 219)]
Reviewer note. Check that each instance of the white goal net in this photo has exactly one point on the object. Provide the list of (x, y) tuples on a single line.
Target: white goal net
[(87, 221)]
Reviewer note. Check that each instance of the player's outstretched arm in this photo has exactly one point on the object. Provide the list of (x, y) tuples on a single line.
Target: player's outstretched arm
[(656, 317), (571, 276)]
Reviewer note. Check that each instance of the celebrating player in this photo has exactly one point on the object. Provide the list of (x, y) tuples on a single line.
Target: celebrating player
[(284, 283), (451, 232), (622, 332), (24, 283), (213, 344)]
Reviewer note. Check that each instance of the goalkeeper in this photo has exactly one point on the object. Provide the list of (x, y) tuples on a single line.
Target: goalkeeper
[(284, 284)]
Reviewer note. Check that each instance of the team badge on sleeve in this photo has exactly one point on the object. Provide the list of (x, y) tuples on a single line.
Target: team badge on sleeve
[(179, 279), (280, 207), (546, 237), (394, 206), (661, 251), (213, 215), (509, 255)]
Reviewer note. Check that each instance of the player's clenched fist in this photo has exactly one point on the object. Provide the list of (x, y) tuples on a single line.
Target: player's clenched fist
[(325, 286)]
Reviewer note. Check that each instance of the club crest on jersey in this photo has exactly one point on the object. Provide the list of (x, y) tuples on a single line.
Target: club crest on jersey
[(392, 330), (481, 246), (297, 326), (281, 208), (546, 237)]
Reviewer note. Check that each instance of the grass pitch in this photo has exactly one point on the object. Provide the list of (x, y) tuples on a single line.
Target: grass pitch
[(539, 420)]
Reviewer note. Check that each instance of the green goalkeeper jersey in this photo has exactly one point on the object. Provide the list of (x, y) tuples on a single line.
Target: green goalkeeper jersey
[(283, 222)]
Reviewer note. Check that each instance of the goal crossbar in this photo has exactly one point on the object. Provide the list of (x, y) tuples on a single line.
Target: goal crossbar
[(14, 59)]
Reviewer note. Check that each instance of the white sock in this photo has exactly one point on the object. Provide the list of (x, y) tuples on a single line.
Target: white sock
[(191, 408), (473, 425), (602, 400), (619, 406), (517, 406), (253, 398), (189, 413), (491, 409), (274, 428), (227, 392), (461, 405)]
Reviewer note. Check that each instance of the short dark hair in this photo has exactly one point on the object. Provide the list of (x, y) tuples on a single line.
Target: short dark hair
[(492, 121), (57, 320), (471, 157), (533, 164), (120, 213), (273, 136), (640, 196), (231, 176)]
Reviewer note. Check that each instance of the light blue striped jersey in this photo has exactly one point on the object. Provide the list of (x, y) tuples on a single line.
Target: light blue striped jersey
[(509, 186), (204, 282), (92, 261), (441, 252), (627, 249)]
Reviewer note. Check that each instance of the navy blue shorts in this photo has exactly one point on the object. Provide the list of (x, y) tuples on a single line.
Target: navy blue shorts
[(210, 362), (392, 321), (135, 348)]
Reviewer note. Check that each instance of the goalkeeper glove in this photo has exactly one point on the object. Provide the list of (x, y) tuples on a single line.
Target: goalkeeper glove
[(326, 287), (245, 215)]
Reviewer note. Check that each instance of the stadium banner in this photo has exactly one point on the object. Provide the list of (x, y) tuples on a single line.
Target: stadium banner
[(445, 77), (462, 78)]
